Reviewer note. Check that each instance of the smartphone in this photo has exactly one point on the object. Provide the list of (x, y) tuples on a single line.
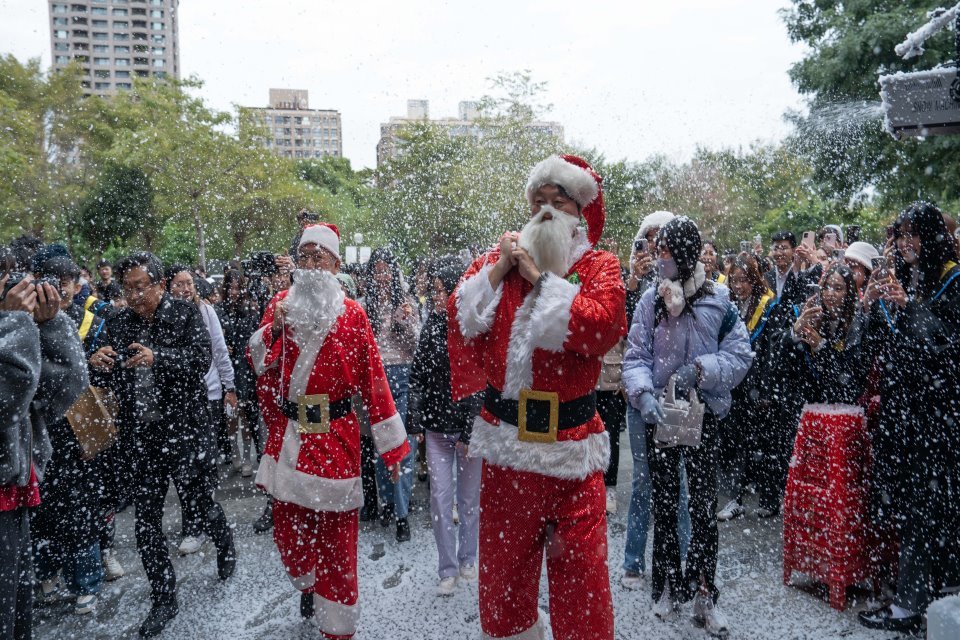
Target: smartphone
[(641, 245), (809, 240), (839, 255), (890, 231), (744, 246), (829, 240), (757, 240), (853, 234), (813, 291)]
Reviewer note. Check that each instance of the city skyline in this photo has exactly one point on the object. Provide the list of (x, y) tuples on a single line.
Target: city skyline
[(629, 81)]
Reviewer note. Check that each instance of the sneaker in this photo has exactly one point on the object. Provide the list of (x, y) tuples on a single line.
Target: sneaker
[(403, 530), (883, 618), (157, 619), (631, 580), (306, 605), (265, 522), (456, 515), (235, 463), (665, 608), (49, 593), (732, 511), (447, 586), (190, 544), (763, 513), (611, 500), (246, 470), (112, 569), (708, 616), (85, 604), (469, 573)]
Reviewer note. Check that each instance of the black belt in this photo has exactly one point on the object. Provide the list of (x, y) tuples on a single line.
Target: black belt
[(538, 409), (338, 409)]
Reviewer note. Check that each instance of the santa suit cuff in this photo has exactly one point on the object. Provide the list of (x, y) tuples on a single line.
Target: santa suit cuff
[(550, 320), (390, 439), (261, 348), (477, 303)]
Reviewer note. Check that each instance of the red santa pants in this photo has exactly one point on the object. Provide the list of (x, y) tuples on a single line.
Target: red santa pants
[(521, 515), (319, 551)]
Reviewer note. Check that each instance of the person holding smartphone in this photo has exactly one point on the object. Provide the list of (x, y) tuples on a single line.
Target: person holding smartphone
[(642, 261)]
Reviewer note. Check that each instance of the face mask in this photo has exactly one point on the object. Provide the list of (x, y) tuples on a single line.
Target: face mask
[(668, 269)]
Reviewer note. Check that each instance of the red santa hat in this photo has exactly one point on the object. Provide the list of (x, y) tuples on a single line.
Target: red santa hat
[(580, 181), (324, 235)]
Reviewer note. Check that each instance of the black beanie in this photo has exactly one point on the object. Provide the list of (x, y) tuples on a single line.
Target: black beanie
[(449, 270), (683, 240)]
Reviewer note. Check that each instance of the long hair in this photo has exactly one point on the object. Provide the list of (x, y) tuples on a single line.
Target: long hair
[(851, 297), (246, 303), (937, 247), (396, 296), (747, 263)]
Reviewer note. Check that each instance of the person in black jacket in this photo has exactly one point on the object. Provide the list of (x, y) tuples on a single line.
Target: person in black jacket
[(447, 425), (915, 327), (157, 353)]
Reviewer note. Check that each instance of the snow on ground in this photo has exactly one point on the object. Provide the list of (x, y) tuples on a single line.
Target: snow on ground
[(398, 581)]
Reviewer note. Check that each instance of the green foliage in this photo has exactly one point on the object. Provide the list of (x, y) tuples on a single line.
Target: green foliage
[(119, 205)]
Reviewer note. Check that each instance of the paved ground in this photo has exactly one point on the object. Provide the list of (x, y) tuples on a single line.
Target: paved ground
[(398, 581)]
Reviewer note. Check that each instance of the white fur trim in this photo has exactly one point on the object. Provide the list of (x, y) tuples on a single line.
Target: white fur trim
[(534, 632), (694, 282), (519, 373), (334, 618), (388, 434), (477, 303), (322, 236), (550, 320), (656, 219), (580, 247), (281, 479), (258, 351), (567, 459), (305, 581), (575, 180)]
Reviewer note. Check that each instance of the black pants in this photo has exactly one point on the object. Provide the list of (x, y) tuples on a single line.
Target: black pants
[(368, 473), (612, 408), (770, 463), (159, 462), (701, 466), (16, 575)]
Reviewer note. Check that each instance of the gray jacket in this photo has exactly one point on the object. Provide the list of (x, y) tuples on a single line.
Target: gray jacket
[(42, 373)]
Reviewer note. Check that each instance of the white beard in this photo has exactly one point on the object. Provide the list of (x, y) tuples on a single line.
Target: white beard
[(313, 305), (549, 241)]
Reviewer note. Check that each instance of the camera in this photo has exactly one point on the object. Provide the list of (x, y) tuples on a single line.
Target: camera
[(744, 246), (259, 264), (640, 245), (16, 277)]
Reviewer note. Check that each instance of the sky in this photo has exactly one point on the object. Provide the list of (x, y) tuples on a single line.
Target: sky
[(629, 78)]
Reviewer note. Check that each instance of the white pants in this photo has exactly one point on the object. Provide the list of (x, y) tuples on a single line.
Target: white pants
[(442, 455)]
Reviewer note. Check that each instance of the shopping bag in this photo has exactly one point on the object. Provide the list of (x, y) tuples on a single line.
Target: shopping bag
[(682, 424), (93, 420)]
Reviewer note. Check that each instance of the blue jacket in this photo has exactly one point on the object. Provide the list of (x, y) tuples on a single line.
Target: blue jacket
[(654, 354)]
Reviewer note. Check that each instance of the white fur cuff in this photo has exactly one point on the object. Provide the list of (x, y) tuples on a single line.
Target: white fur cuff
[(567, 459), (259, 350), (477, 303), (550, 320), (534, 632), (388, 434), (334, 618)]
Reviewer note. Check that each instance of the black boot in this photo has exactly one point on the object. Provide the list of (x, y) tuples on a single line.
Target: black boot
[(386, 516), (403, 530), (306, 605), (222, 536), (226, 559), (157, 619), (265, 522)]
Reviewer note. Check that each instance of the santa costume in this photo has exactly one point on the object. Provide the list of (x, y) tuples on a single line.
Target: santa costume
[(536, 351), (324, 357)]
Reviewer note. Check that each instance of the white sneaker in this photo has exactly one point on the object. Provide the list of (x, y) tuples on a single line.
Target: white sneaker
[(611, 500), (85, 604), (112, 569), (469, 573), (246, 470), (447, 586), (190, 544), (707, 615), (50, 592), (732, 511), (665, 608), (456, 515), (235, 463), (631, 580)]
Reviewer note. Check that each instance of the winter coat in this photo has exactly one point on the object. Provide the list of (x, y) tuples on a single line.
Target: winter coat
[(759, 388), (430, 405), (916, 448), (19, 377), (182, 354), (794, 291), (238, 323), (655, 351)]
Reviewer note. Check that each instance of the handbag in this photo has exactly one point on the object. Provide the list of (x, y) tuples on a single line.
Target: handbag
[(682, 423), (93, 420)]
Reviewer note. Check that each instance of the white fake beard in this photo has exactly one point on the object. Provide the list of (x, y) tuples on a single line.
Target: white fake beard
[(549, 241), (314, 303)]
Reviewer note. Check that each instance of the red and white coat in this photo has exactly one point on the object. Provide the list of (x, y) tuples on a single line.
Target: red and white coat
[(322, 471), (513, 339)]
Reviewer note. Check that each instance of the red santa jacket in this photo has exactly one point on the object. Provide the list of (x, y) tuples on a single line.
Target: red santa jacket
[(553, 341), (322, 471)]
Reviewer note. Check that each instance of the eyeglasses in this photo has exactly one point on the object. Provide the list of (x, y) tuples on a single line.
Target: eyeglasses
[(136, 292)]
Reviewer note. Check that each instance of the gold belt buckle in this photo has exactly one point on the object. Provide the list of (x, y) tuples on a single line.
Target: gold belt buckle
[(536, 436), (304, 402)]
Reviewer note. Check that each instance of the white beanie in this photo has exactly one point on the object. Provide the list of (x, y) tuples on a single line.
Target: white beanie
[(655, 219), (323, 235), (863, 253)]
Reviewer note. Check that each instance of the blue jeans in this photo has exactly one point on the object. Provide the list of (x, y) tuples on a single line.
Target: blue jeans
[(398, 377), (638, 516), (82, 572)]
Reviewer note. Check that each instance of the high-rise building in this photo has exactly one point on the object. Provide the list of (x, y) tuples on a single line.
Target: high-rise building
[(294, 130), (115, 40), (465, 124)]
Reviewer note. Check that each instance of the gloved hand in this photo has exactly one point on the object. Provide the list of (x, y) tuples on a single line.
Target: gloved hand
[(650, 409), (686, 380)]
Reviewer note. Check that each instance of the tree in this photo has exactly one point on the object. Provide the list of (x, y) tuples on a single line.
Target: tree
[(119, 207)]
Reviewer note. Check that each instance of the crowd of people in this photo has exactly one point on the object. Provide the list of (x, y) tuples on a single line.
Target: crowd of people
[(504, 381)]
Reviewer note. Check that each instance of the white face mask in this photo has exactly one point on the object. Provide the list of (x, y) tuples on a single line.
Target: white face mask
[(668, 269), (549, 241)]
